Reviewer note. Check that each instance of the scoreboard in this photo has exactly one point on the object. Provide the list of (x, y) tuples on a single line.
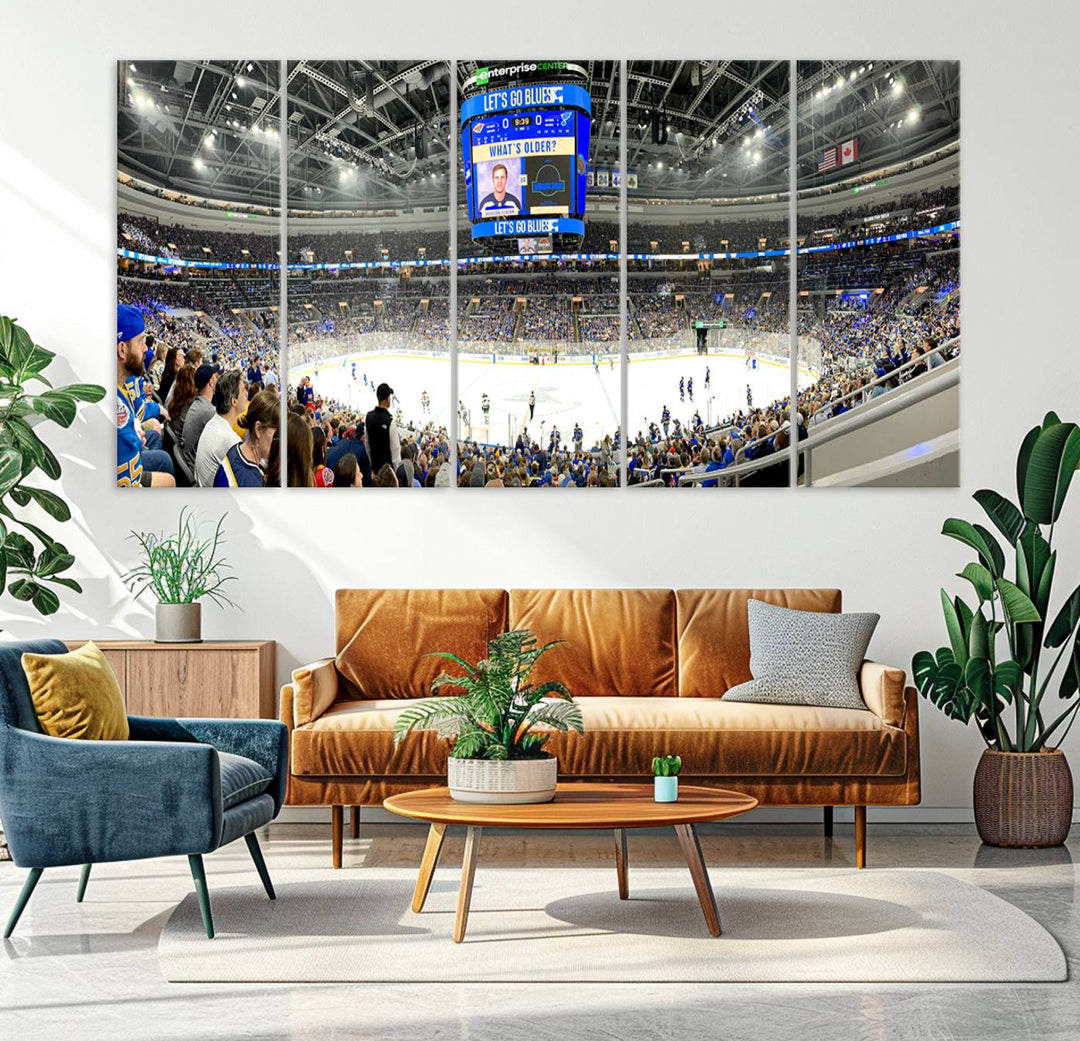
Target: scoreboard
[(524, 148)]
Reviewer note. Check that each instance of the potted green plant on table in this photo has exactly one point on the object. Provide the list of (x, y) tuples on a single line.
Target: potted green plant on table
[(494, 723), (181, 568), (665, 770), (1023, 789)]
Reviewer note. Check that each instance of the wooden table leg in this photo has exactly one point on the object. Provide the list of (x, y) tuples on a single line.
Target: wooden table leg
[(436, 834), (621, 863), (468, 870), (354, 823), (694, 860)]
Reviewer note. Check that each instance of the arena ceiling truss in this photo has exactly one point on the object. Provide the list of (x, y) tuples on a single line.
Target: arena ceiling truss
[(372, 135)]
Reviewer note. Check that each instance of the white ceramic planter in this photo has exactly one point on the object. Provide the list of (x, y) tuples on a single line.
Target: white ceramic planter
[(178, 623), (502, 781)]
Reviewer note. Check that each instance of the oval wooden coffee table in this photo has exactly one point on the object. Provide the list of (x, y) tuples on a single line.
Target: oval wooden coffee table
[(577, 805)]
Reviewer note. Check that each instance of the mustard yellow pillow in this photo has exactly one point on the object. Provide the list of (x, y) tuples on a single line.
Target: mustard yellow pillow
[(76, 695)]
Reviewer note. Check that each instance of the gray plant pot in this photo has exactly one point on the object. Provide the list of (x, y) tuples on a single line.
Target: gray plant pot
[(178, 623)]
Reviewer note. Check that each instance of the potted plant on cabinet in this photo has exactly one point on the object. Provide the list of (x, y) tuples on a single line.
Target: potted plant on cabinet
[(181, 568), (497, 755), (1023, 787), (665, 770)]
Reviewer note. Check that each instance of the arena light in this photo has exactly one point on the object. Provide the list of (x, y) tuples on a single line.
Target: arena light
[(250, 66), (198, 164), (132, 67), (839, 82), (241, 82), (852, 75), (913, 115), (898, 85), (659, 165), (131, 81)]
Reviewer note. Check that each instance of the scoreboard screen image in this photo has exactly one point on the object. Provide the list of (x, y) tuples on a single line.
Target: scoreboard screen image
[(525, 155)]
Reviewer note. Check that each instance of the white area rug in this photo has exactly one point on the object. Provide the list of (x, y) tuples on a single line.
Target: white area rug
[(568, 924)]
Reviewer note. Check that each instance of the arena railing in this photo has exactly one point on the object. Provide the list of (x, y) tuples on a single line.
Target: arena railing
[(925, 386), (936, 381), (907, 366)]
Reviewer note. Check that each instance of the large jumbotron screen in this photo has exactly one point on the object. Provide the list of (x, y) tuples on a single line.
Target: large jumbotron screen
[(525, 155)]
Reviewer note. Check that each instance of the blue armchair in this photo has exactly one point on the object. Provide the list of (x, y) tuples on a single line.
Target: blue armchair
[(178, 786)]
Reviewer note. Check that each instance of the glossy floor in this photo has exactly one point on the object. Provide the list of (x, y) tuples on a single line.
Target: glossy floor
[(75, 971)]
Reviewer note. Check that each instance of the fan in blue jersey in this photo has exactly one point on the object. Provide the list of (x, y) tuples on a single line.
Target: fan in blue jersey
[(245, 462), (135, 466)]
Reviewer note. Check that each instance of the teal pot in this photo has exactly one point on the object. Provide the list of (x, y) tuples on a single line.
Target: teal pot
[(665, 789)]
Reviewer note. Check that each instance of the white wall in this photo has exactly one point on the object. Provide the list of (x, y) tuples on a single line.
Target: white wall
[(292, 549)]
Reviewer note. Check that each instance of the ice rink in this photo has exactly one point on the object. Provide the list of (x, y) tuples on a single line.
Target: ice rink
[(568, 392)]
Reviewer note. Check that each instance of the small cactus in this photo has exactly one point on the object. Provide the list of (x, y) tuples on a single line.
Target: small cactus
[(666, 765)]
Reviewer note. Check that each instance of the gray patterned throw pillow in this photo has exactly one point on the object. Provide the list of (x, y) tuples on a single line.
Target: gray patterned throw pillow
[(805, 657)]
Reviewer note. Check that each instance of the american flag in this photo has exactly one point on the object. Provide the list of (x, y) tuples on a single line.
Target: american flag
[(828, 160)]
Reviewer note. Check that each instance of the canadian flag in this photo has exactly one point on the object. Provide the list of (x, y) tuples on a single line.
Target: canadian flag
[(849, 151)]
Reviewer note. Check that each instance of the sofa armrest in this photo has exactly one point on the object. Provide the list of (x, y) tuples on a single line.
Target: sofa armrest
[(66, 801), (266, 741), (882, 688), (314, 690)]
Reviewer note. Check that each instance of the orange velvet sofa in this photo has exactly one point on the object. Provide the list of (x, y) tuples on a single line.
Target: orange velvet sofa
[(649, 668)]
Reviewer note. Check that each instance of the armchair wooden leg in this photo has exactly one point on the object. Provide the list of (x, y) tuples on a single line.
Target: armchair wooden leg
[(260, 864), (198, 873), (828, 821), (24, 899), (337, 828), (354, 823), (860, 836), (83, 879)]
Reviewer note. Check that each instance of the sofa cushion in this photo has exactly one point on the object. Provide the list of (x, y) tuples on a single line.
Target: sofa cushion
[(622, 734), (619, 641), (805, 657), (241, 778), (315, 689), (383, 636), (714, 633)]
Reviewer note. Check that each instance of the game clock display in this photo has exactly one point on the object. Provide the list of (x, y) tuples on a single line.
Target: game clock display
[(525, 168)]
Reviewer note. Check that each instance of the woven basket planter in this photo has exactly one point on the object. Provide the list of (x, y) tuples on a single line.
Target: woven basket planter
[(502, 781), (1023, 799)]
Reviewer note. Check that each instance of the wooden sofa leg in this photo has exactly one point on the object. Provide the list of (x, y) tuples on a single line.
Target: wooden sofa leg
[(860, 836), (828, 821), (354, 823), (337, 829)]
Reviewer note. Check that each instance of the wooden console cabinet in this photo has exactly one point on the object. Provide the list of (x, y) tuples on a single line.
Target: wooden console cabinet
[(215, 678)]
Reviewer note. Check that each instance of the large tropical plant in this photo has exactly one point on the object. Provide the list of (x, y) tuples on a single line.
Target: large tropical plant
[(968, 680), (31, 563), (495, 715)]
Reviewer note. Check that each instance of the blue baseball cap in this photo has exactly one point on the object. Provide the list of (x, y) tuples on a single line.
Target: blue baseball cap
[(129, 322)]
